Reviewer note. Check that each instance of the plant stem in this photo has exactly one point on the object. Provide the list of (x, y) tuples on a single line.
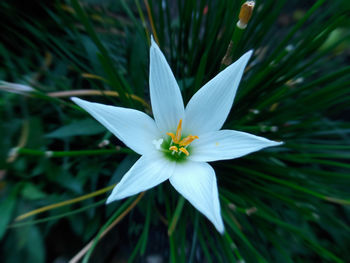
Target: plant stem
[(55, 154)]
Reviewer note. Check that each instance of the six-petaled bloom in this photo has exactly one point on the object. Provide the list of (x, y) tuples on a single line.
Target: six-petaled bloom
[(179, 142)]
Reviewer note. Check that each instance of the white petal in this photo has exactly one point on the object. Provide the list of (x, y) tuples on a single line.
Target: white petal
[(149, 171), (209, 107), (226, 144), (197, 183), (166, 99), (134, 128)]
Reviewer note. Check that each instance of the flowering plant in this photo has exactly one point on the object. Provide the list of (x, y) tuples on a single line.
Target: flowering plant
[(166, 152)]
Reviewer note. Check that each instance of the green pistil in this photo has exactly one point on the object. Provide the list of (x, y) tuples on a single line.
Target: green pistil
[(171, 155)]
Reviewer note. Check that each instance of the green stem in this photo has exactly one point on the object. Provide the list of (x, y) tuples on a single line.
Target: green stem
[(120, 213), (194, 238), (317, 146), (106, 61), (236, 36), (176, 216), (43, 220), (55, 154), (233, 246), (295, 187)]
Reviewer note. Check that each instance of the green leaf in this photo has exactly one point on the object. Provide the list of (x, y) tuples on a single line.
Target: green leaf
[(77, 128), (32, 192), (35, 249), (7, 207)]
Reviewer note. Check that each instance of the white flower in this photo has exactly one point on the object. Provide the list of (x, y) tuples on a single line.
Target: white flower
[(179, 142)]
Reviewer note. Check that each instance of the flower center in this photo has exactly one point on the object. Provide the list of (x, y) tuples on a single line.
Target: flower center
[(177, 145)]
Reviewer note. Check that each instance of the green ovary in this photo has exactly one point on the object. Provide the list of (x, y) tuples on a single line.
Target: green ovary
[(172, 155)]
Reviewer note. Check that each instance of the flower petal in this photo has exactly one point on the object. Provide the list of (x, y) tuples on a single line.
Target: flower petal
[(134, 128), (149, 171), (166, 99), (209, 107), (226, 144), (196, 181)]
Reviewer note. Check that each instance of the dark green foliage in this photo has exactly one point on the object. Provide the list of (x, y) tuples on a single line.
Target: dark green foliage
[(284, 204)]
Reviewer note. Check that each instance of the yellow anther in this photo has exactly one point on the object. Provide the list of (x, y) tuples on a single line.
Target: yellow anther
[(182, 149), (186, 141), (173, 148), (178, 132), (176, 139), (172, 135)]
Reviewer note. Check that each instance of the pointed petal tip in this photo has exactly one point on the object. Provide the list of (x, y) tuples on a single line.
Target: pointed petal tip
[(221, 230), (250, 52), (82, 103), (110, 200), (77, 100), (219, 225), (74, 99), (153, 43), (166, 98), (246, 56), (114, 196), (274, 143)]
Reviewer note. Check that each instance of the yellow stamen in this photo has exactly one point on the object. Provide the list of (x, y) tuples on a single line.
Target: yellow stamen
[(186, 141), (173, 148), (176, 139), (182, 149), (178, 132), (172, 135)]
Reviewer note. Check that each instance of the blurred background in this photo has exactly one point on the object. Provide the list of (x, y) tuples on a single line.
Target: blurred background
[(58, 165)]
